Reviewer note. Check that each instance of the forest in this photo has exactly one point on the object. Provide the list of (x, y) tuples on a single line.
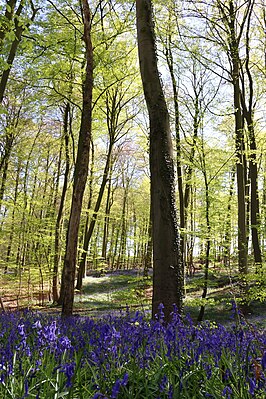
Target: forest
[(75, 133), (132, 199), (76, 138)]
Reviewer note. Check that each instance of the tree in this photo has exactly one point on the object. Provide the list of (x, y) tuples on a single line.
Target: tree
[(80, 172), (168, 274)]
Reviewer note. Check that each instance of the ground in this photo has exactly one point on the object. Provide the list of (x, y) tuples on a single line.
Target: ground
[(112, 291)]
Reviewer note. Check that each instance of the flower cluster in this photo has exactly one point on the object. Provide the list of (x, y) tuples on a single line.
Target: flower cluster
[(129, 357)]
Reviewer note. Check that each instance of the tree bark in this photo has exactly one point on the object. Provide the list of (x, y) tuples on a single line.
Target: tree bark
[(168, 273), (80, 172), (170, 63)]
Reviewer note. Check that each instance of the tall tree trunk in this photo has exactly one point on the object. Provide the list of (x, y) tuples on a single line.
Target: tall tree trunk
[(248, 112), (168, 274), (241, 172), (107, 217), (170, 63), (208, 238), (80, 172), (61, 207)]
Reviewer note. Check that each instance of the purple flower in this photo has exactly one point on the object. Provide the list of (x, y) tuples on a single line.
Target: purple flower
[(252, 386), (171, 392), (98, 395), (163, 383), (37, 325), (227, 392), (69, 371), (116, 389), (124, 380)]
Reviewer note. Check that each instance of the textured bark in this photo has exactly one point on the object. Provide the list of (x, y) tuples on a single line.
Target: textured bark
[(170, 63), (168, 276), (80, 172)]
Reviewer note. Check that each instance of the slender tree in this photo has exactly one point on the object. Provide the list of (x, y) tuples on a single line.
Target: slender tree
[(168, 274), (80, 172)]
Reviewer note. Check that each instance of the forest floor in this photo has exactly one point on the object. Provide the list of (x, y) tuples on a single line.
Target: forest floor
[(116, 291)]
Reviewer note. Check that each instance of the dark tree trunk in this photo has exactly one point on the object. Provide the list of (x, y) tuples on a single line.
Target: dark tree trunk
[(248, 112), (170, 63), (241, 172), (80, 172), (61, 207), (168, 276)]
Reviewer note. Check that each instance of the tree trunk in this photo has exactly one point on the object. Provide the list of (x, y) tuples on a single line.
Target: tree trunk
[(80, 172), (239, 140), (248, 112), (168, 274), (208, 238), (61, 207), (170, 63), (107, 217)]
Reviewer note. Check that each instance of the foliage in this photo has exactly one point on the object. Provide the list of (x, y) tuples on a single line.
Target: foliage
[(128, 356)]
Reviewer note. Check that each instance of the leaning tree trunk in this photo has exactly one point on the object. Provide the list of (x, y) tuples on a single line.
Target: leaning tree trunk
[(248, 113), (80, 172), (168, 274)]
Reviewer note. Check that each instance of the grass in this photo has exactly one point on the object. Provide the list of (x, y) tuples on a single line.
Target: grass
[(128, 288), (116, 290)]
